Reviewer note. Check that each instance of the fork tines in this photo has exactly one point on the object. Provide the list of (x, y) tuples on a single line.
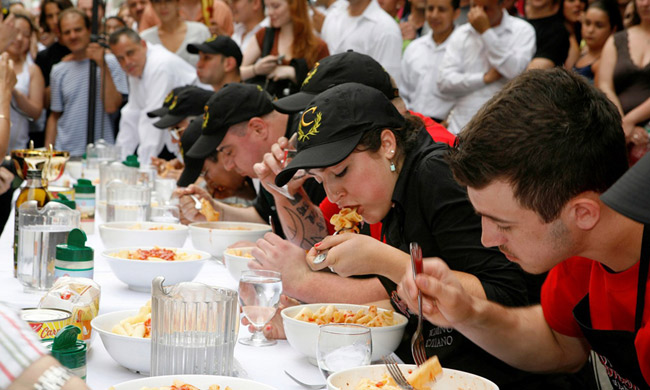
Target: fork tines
[(396, 373)]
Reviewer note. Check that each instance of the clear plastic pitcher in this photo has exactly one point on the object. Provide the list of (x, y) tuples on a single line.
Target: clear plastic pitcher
[(101, 151), (40, 230), (193, 329)]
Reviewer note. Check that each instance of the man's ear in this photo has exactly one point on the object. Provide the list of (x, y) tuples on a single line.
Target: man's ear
[(584, 210), (230, 64), (258, 127)]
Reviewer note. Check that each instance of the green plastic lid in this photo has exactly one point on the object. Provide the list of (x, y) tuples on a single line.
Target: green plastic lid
[(64, 200), (69, 351), (75, 249), (84, 186), (131, 161)]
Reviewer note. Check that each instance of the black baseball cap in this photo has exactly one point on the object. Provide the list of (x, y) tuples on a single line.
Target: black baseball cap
[(232, 104), (221, 44), (193, 166), (630, 194), (180, 103), (348, 67), (334, 122)]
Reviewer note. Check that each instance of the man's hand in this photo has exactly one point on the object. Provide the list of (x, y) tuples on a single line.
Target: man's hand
[(409, 32), (491, 76), (7, 75), (95, 52), (272, 164), (8, 32), (186, 205), (478, 19)]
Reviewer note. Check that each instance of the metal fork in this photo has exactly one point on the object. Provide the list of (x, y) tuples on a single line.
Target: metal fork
[(197, 202), (396, 373), (417, 341)]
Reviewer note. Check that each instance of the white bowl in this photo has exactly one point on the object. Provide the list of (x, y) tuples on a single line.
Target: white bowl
[(121, 234), (216, 237), (237, 264), (450, 379), (133, 353), (138, 274), (303, 336), (203, 382)]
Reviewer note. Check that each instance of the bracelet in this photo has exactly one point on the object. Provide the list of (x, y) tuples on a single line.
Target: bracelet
[(2, 116), (254, 72), (52, 379)]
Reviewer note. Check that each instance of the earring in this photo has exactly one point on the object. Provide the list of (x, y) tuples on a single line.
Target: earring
[(392, 167)]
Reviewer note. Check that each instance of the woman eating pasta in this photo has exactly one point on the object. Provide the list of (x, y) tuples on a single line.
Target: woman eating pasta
[(368, 157)]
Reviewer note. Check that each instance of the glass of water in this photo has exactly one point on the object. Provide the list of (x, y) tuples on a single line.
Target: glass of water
[(164, 189), (259, 295), (342, 346)]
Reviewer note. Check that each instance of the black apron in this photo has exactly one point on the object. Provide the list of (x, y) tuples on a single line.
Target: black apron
[(615, 348)]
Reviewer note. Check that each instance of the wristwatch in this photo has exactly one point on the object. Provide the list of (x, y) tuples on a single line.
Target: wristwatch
[(52, 379)]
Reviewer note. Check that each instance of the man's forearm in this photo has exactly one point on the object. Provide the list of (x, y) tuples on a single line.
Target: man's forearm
[(50, 129), (325, 287), (302, 221), (111, 97)]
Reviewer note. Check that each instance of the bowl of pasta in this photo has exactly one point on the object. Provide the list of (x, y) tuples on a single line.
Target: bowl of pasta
[(192, 382), (216, 237), (301, 326), (126, 335), (119, 234), (236, 260), (137, 266), (376, 377)]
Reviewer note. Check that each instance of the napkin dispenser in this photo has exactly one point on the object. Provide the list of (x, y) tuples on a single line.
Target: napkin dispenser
[(193, 329)]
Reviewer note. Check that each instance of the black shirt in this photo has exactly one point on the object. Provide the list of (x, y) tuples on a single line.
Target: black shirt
[(431, 209), (552, 38), (46, 59)]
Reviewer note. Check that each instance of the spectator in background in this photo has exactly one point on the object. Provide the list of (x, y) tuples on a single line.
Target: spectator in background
[(219, 61), (422, 60), (49, 22), (552, 36), (67, 125), (123, 13), (87, 7), (28, 92), (394, 8), (152, 72), (173, 32), (481, 57), (414, 25), (142, 13), (112, 24), (600, 21), (573, 11), (624, 76), (363, 26), (249, 18), (323, 7), (628, 15), (281, 55)]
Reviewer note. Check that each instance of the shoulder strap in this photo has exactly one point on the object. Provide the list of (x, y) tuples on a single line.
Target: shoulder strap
[(267, 43)]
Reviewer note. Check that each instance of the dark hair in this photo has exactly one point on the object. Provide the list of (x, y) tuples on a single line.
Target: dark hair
[(636, 19), (20, 15), (550, 134), (406, 137), (75, 11), (116, 18), (115, 36), (62, 4), (610, 7)]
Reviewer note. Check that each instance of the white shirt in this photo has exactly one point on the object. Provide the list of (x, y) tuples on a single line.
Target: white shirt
[(374, 33), (196, 33), (243, 38), (163, 71), (420, 66), (508, 48)]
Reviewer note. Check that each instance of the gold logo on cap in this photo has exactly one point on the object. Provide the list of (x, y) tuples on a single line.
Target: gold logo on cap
[(310, 74), (212, 38), (206, 117), (302, 136), (259, 88), (171, 106), (169, 97)]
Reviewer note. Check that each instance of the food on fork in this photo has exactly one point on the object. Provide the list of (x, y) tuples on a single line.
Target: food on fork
[(421, 378), (210, 214), (330, 314), (180, 385), (347, 220)]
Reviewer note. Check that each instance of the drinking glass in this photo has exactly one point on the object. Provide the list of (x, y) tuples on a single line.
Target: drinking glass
[(164, 189), (165, 214), (127, 202), (342, 346), (259, 295)]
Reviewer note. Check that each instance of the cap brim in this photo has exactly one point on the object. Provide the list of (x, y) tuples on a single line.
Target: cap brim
[(158, 112), (629, 195), (191, 172), (320, 156), (293, 103), (205, 145), (168, 121)]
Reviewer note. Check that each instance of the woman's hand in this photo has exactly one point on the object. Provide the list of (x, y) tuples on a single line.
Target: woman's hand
[(348, 254), (283, 72), (265, 65), (7, 78)]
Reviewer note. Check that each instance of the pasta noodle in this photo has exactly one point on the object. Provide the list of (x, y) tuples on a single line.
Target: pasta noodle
[(346, 220), (180, 385), (156, 254), (240, 253), (138, 226), (386, 383), (210, 214), (330, 314), (136, 326)]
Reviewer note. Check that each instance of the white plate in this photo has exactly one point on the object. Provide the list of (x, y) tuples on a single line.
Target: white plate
[(200, 381)]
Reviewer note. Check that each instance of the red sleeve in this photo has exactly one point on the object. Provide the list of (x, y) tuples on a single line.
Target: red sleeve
[(437, 131), (566, 284), (259, 36), (323, 51)]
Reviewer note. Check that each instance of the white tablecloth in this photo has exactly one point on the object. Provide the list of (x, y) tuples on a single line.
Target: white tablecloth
[(263, 364)]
